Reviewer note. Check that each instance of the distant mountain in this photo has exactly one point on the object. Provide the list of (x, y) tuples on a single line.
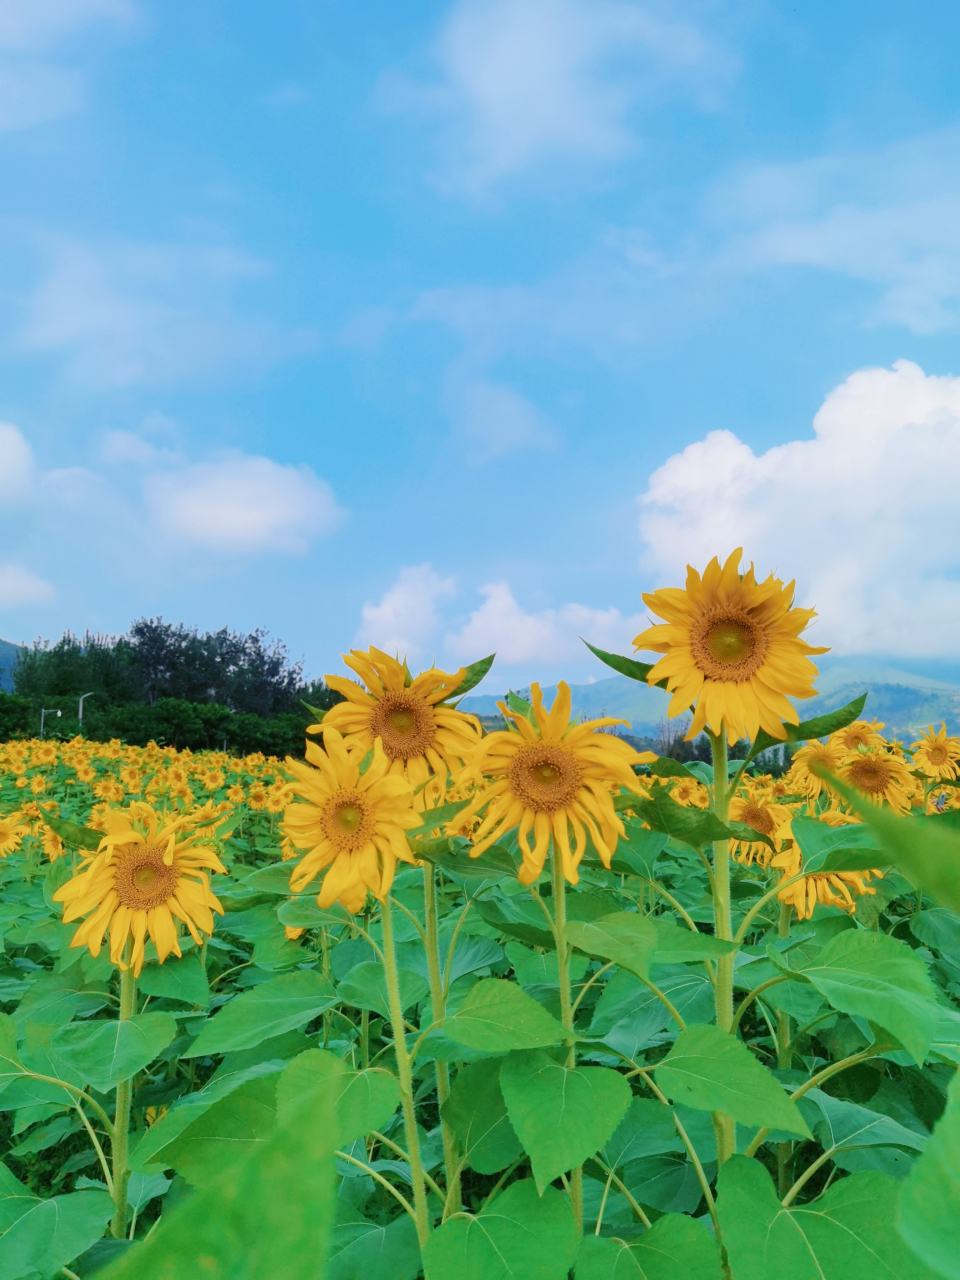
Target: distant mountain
[(9, 653), (905, 701)]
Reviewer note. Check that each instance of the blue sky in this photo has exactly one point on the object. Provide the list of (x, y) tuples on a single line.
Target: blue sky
[(455, 326)]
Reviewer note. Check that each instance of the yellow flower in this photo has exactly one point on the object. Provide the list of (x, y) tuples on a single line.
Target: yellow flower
[(772, 820), (353, 823), (149, 869), (688, 792), (236, 793), (826, 755), (732, 650), (833, 889), (12, 830), (109, 789), (936, 755), (21, 784), (213, 778), (37, 784), (861, 733), (258, 797), (882, 778), (419, 734), (292, 932), (52, 844), (551, 776)]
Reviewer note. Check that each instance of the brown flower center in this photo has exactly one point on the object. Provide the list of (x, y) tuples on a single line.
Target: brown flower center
[(346, 821), (142, 880), (871, 774), (754, 815), (727, 644), (545, 776), (404, 723), (937, 755)]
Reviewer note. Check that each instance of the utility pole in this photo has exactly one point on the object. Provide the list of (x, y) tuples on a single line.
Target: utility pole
[(48, 711), (80, 710)]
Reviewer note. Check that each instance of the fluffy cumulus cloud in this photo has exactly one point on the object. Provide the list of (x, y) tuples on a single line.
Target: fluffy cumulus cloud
[(526, 81), (864, 514), (405, 619)]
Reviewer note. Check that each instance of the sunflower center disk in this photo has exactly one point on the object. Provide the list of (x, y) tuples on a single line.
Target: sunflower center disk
[(937, 755), (345, 821), (405, 724), (759, 819), (870, 776), (728, 648), (545, 777), (143, 881), (349, 817)]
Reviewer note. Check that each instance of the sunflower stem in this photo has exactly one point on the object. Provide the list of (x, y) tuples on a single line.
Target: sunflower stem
[(724, 1124), (421, 1214), (121, 1124), (566, 1006), (451, 1155), (784, 1059)]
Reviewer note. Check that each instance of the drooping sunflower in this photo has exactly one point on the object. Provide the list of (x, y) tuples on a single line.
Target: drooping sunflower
[(826, 755), (352, 822), (551, 776), (423, 740), (881, 777), (936, 755), (833, 889), (753, 809), (150, 870), (732, 650)]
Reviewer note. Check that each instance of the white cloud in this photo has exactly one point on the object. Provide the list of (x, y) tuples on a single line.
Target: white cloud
[(493, 420), (502, 626), (865, 514), (16, 465), (523, 81), (151, 315), (18, 586), (242, 504), (405, 617), (42, 23)]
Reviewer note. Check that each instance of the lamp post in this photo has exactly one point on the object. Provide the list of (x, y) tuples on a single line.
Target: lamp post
[(48, 711), (80, 710)]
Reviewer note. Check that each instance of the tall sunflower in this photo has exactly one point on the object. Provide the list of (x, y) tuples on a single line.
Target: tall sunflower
[(422, 739), (936, 755), (881, 777), (551, 777), (859, 733), (732, 650), (149, 870), (825, 755), (352, 822)]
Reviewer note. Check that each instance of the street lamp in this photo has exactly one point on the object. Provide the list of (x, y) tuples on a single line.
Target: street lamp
[(80, 711), (48, 711)]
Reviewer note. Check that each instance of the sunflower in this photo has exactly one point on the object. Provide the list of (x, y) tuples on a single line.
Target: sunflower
[(150, 868), (420, 735), (861, 733), (551, 776), (12, 830), (350, 821), (826, 755), (236, 793), (772, 820), (689, 792), (936, 755), (833, 889), (732, 650), (882, 778)]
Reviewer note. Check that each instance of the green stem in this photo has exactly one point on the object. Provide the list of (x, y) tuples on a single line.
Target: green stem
[(421, 1215), (121, 1124), (784, 1059), (566, 1005), (451, 1154), (724, 1124)]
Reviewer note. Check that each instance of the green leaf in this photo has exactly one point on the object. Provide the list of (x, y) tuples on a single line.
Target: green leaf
[(675, 1248), (872, 975), (73, 835), (105, 1052), (676, 944), (520, 917), (626, 666), (226, 1132), (497, 1016), (184, 980), (823, 726), (930, 1199), (637, 853), (365, 987), (520, 1236), (625, 937), (825, 848), (848, 1234), (51, 1233), (858, 1138), (472, 677), (365, 1099), (938, 928), (519, 705), (10, 1066), (561, 1115), (303, 913), (647, 1129), (431, 819), (282, 1004), (316, 712), (493, 863), (629, 1015), (695, 827), (477, 1112), (266, 1216), (710, 1070), (363, 1250), (665, 767)]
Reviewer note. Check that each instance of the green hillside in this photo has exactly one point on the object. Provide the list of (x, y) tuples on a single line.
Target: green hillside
[(8, 660)]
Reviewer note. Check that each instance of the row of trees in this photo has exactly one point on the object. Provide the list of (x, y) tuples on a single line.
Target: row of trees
[(166, 682)]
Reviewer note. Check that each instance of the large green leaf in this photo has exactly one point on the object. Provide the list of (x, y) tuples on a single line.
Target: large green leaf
[(848, 1234), (363, 1250), (10, 1066), (520, 917), (282, 1004), (710, 1070), (51, 1233), (561, 1115), (638, 851), (477, 1112), (695, 827), (827, 849), (184, 980), (625, 937), (677, 944), (940, 928), (930, 1199), (367, 1101), (858, 1138), (365, 987), (675, 1248), (266, 1216), (872, 975), (629, 1016), (472, 677), (497, 1016), (823, 726), (73, 835), (666, 767), (520, 1236), (453, 857), (626, 666), (105, 1052), (647, 1129)]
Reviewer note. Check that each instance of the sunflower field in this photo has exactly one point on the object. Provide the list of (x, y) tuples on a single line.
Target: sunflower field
[(513, 1005)]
